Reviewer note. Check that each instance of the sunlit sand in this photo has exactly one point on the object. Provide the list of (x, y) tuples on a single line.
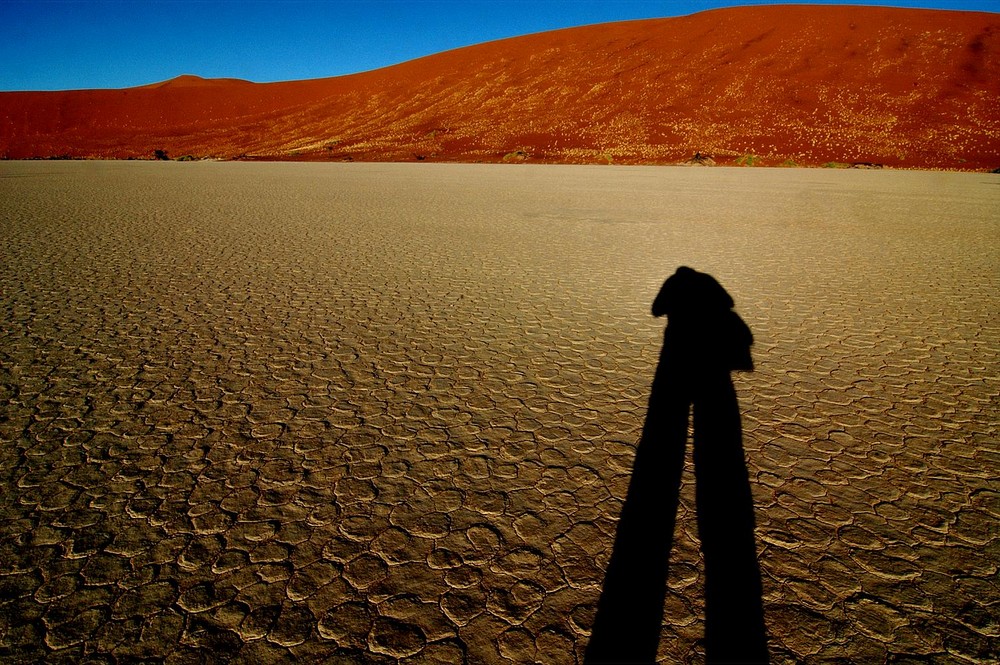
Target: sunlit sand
[(276, 410)]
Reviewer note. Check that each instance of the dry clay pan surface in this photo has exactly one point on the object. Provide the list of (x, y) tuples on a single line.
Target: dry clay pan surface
[(381, 413)]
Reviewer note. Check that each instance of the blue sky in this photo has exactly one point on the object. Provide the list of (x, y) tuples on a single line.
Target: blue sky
[(72, 44)]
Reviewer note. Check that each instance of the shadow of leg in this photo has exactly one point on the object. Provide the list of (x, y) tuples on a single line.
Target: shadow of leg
[(630, 611), (734, 618)]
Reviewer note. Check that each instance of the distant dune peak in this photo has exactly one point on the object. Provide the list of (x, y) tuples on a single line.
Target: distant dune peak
[(772, 85), (193, 81)]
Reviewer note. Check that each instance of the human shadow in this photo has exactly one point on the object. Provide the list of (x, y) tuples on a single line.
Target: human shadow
[(704, 341)]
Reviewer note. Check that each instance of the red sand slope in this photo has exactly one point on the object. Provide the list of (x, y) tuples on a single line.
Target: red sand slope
[(910, 88)]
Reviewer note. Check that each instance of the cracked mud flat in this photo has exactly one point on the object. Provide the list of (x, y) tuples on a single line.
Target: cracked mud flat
[(380, 413)]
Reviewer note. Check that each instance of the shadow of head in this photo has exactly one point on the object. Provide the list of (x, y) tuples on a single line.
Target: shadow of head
[(701, 322), (689, 293)]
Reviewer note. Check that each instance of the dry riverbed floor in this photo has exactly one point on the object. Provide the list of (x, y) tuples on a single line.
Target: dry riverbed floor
[(377, 413)]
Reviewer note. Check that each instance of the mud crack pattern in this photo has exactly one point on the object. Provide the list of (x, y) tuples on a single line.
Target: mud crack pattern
[(382, 413)]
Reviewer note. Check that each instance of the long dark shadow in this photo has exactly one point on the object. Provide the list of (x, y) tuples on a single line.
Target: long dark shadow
[(704, 341)]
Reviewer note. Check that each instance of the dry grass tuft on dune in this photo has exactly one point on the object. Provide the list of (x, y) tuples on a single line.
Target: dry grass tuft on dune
[(778, 85)]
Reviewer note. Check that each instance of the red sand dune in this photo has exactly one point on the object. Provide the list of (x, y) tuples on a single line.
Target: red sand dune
[(811, 84)]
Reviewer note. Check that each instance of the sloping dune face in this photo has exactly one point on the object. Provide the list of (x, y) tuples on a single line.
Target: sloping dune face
[(772, 85)]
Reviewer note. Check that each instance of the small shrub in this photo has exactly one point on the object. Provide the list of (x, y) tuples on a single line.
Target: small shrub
[(700, 159), (747, 160), (836, 165), (160, 154)]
